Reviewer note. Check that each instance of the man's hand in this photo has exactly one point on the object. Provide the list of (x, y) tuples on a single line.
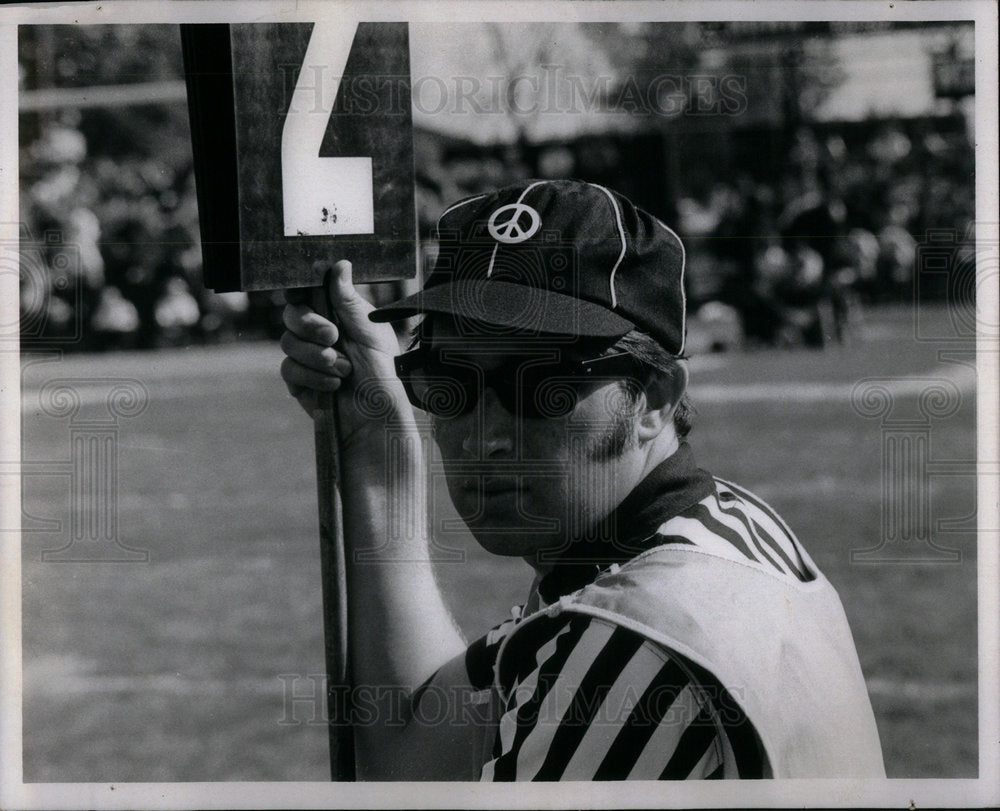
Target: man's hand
[(400, 632), (331, 345)]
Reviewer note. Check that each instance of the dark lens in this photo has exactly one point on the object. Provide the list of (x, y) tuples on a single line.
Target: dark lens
[(553, 390), (548, 396), (444, 390)]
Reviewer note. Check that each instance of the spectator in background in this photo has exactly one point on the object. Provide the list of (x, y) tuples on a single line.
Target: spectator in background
[(115, 321), (897, 252), (813, 227), (176, 313)]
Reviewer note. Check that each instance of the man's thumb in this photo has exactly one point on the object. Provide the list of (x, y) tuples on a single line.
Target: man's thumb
[(348, 306)]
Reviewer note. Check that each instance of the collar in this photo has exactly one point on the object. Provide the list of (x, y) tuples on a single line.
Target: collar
[(670, 488)]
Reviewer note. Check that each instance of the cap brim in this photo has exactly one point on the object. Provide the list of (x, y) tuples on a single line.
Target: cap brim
[(515, 306)]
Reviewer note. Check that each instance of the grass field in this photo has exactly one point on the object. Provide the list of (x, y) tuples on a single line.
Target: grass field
[(180, 668)]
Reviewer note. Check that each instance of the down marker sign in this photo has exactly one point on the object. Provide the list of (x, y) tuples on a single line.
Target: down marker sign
[(303, 146)]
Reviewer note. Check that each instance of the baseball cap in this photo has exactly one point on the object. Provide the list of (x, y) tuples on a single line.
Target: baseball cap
[(555, 256)]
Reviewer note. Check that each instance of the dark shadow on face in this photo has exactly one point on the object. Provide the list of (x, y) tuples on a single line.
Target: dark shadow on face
[(521, 483)]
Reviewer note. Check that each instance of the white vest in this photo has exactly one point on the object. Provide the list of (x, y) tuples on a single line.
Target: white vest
[(782, 648)]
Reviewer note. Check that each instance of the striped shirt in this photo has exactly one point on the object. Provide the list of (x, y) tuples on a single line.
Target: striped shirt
[(584, 699)]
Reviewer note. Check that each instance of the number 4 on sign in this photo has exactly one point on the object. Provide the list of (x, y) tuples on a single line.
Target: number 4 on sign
[(322, 196), (288, 175)]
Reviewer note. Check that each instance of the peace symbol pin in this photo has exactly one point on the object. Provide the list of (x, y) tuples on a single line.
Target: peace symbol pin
[(513, 223)]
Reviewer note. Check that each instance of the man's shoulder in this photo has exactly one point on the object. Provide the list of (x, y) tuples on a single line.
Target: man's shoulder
[(734, 523), (671, 719)]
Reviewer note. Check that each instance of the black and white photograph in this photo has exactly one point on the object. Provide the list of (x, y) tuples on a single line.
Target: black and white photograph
[(401, 399)]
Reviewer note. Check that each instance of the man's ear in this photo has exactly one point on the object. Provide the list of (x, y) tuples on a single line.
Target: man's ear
[(661, 396)]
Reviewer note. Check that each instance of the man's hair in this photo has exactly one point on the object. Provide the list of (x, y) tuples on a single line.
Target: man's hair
[(653, 359)]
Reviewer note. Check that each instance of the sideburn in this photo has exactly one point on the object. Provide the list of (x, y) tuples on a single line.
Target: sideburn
[(619, 436)]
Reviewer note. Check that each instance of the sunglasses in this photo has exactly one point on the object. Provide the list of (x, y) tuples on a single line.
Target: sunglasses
[(445, 384)]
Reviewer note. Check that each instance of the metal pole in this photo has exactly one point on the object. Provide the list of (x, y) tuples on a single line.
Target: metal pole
[(333, 562)]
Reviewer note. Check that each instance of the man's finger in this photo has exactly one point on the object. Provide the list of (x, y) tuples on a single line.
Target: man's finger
[(324, 359), (295, 374), (306, 397), (307, 324)]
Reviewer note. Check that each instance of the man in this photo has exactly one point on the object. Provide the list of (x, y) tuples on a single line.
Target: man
[(675, 628)]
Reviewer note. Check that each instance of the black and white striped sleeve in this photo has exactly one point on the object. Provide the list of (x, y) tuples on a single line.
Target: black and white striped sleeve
[(593, 701)]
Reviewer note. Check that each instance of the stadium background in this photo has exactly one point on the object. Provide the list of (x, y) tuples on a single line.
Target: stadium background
[(185, 643)]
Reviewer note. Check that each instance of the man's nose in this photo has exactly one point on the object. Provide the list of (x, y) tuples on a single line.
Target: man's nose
[(495, 424)]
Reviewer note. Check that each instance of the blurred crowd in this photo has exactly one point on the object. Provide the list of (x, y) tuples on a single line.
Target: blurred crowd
[(781, 257), (126, 229), (793, 258)]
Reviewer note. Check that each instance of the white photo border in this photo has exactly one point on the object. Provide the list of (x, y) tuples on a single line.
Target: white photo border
[(984, 791)]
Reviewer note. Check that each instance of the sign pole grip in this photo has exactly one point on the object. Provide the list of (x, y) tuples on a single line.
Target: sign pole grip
[(333, 566)]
